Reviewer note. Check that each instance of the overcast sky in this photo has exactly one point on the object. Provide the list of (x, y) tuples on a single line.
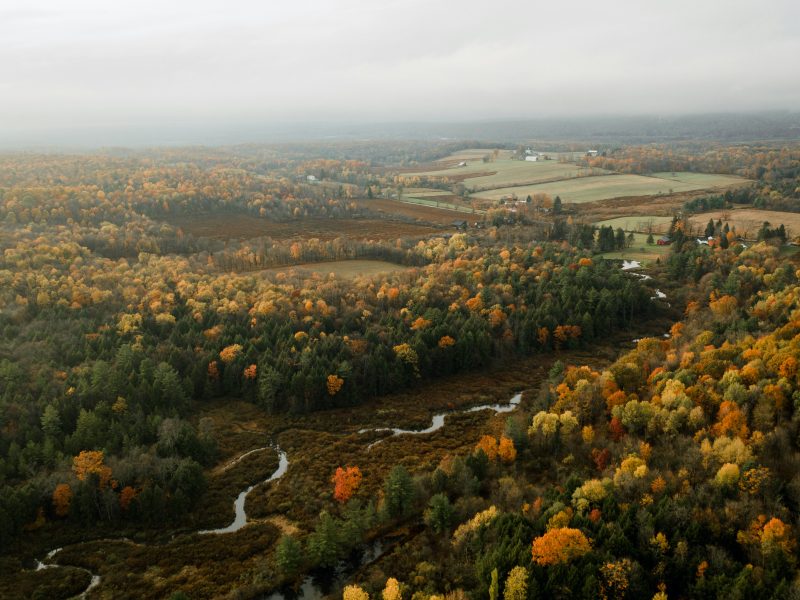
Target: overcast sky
[(117, 64)]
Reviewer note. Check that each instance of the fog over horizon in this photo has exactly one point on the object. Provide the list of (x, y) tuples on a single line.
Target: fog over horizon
[(144, 72)]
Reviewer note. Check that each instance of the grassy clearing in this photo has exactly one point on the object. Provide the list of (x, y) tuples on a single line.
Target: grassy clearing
[(590, 189), (479, 175), (749, 220), (345, 269), (473, 154), (425, 192), (640, 251), (638, 223)]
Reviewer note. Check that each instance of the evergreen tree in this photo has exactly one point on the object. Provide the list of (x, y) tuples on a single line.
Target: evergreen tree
[(288, 556), (398, 492), (323, 543), (439, 516)]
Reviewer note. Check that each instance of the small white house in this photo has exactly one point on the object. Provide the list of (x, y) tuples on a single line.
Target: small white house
[(311, 178), (532, 158), (591, 152)]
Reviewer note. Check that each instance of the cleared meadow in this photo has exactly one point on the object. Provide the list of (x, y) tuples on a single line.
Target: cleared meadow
[(639, 223), (478, 175), (590, 189), (639, 250)]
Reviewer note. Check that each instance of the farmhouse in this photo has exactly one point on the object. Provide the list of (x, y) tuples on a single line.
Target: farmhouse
[(591, 152), (532, 158)]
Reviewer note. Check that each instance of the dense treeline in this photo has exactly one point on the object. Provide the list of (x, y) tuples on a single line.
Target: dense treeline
[(673, 473)]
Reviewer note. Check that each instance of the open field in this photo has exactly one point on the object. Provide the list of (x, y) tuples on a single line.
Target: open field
[(749, 220), (425, 192), (640, 251), (421, 211), (472, 154), (590, 189), (342, 268), (241, 227), (638, 223), (478, 175)]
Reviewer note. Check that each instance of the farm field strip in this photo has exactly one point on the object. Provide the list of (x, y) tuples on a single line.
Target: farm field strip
[(479, 175), (638, 223), (589, 189)]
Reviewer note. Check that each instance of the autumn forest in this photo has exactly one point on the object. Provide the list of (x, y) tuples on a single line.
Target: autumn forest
[(343, 369)]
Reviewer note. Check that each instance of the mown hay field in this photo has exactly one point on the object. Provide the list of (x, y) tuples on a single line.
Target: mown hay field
[(479, 175), (638, 223), (590, 189)]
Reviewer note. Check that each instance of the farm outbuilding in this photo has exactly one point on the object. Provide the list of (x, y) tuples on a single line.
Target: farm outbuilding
[(663, 241), (459, 224)]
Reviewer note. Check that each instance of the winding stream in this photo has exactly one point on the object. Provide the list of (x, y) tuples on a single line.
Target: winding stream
[(629, 265), (93, 582), (438, 420), (239, 520), (310, 588), (240, 516)]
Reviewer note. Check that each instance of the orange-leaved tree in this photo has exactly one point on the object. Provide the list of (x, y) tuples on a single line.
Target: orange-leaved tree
[(488, 444), (334, 383), (126, 496), (62, 496), (559, 546), (506, 450), (90, 462), (346, 482)]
